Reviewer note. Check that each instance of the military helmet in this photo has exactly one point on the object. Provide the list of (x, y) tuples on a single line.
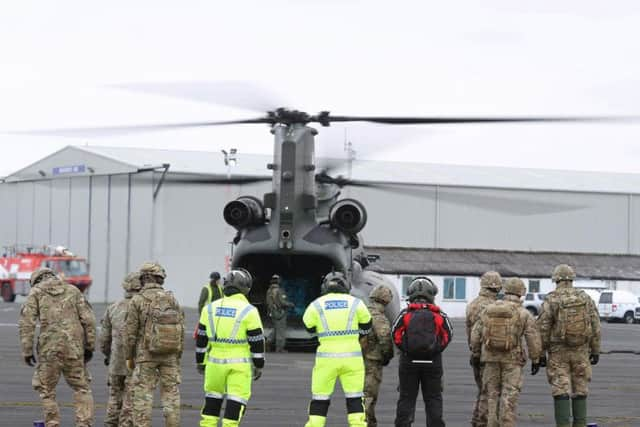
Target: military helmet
[(152, 268), (275, 279), (422, 288), (381, 294), (563, 272), (239, 279), (38, 275), (131, 282), (491, 280), (515, 286), (335, 281)]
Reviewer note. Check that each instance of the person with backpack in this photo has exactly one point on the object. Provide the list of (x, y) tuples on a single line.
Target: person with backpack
[(421, 331), (229, 351), (496, 342), (118, 412), (154, 341), (339, 320), (490, 285), (570, 329)]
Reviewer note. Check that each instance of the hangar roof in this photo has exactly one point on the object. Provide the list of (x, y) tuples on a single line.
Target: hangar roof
[(468, 262), (108, 160)]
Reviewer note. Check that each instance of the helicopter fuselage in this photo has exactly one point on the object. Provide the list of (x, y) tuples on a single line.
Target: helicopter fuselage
[(295, 233)]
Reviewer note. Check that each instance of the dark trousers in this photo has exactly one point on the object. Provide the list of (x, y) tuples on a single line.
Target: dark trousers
[(412, 377)]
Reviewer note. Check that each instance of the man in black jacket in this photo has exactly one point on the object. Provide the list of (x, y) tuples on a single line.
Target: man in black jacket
[(421, 332)]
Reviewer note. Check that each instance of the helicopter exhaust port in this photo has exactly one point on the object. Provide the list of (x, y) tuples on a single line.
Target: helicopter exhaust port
[(243, 212), (348, 216)]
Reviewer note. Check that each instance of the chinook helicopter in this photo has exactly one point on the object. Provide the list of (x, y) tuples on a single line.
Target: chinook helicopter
[(301, 229)]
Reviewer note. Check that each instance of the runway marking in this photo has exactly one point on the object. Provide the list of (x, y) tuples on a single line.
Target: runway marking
[(9, 324)]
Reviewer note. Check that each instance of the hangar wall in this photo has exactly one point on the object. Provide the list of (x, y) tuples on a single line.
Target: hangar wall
[(487, 218), (103, 218)]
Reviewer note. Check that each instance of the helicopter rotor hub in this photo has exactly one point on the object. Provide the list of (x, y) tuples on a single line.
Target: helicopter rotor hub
[(289, 117)]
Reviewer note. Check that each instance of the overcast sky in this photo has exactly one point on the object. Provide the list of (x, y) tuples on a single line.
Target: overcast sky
[(59, 60)]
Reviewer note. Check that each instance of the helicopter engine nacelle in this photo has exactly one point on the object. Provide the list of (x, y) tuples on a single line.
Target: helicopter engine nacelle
[(243, 212), (348, 216)]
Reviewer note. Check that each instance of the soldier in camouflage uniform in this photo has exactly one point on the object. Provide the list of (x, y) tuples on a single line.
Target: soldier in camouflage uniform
[(150, 368), (490, 285), (377, 349), (278, 305), (112, 346), (570, 329), (65, 344), (502, 353)]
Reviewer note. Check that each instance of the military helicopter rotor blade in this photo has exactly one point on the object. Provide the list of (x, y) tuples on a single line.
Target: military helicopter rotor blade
[(329, 164), (390, 120), (396, 188), (104, 131), (235, 94)]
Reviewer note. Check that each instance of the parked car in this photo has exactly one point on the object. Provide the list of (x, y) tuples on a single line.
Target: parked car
[(533, 302), (620, 306)]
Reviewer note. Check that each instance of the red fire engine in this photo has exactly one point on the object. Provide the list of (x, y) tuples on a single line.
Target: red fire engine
[(18, 262)]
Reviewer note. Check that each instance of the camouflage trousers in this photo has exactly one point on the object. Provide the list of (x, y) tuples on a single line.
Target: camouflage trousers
[(45, 379), (145, 377), (569, 372), (279, 333), (503, 383), (119, 404), (372, 379), (126, 411), (479, 417)]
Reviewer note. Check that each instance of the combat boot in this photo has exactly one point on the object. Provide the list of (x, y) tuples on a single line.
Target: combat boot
[(579, 406), (562, 410)]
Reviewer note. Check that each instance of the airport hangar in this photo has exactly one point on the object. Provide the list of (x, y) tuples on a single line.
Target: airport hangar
[(121, 206)]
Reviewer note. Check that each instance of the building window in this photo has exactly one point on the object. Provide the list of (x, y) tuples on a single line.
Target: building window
[(534, 285), (455, 288)]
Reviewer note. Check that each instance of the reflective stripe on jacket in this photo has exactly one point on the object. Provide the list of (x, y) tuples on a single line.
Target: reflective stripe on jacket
[(226, 323), (338, 320)]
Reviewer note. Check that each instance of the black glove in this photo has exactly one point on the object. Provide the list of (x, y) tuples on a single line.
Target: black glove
[(543, 361), (200, 369), (535, 367), (386, 360), (257, 373), (107, 359), (30, 360), (88, 354), (474, 361), (594, 359)]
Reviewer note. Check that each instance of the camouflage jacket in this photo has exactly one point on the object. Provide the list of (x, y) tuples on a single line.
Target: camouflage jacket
[(277, 302), (378, 345), (111, 340), (547, 321), (134, 331), (474, 309), (67, 322), (526, 328)]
